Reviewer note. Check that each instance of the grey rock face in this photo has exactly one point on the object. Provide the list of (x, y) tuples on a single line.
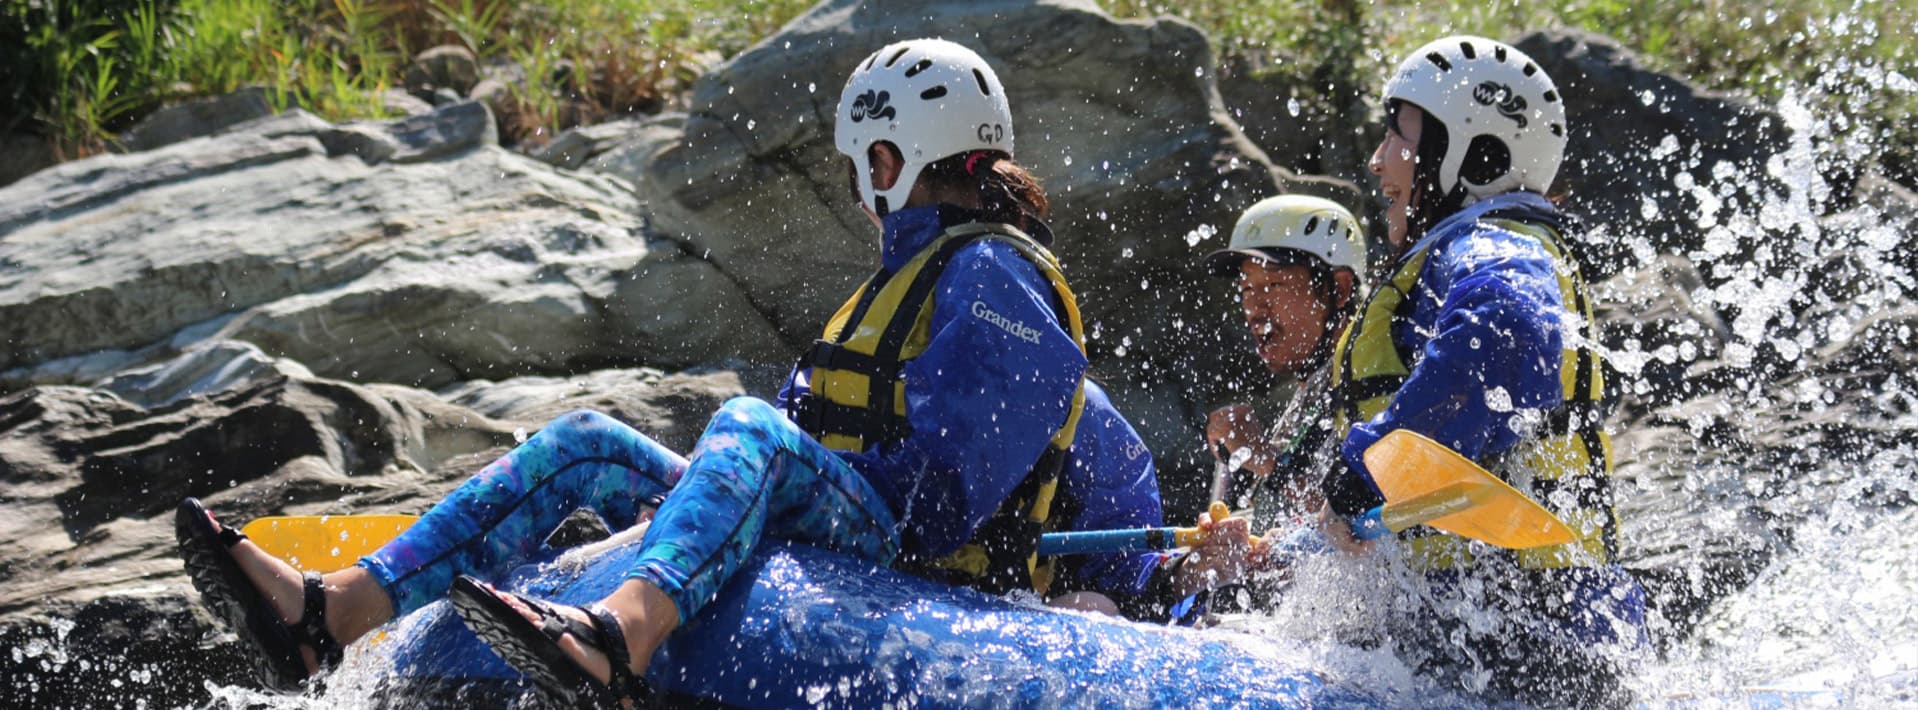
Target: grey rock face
[(197, 118), (21, 154), (447, 66), (575, 146), (90, 584), (409, 251)]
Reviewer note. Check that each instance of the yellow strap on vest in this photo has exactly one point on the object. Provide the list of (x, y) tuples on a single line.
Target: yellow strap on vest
[(1371, 368), (1033, 500)]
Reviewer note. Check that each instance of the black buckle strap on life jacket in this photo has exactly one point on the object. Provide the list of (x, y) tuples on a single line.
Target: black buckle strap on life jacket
[(1009, 539), (877, 422)]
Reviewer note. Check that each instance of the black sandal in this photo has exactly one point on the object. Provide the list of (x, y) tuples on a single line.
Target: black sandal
[(533, 648), (225, 589)]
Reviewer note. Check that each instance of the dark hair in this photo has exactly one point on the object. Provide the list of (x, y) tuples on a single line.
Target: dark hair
[(1431, 202), (1008, 193)]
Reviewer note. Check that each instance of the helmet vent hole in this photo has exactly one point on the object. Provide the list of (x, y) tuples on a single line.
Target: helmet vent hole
[(1558, 130), (1486, 159), (1438, 60), (1530, 68), (980, 76), (1312, 225), (896, 55), (1499, 54), (1550, 96), (933, 93), (920, 66), (869, 62), (1470, 51)]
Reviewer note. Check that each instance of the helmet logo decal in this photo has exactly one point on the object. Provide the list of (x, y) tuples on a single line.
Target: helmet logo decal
[(872, 104), (1500, 96), (991, 132)]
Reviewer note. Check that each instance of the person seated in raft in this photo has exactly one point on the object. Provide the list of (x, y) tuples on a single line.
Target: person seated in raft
[(928, 430), (1480, 336), (1297, 261)]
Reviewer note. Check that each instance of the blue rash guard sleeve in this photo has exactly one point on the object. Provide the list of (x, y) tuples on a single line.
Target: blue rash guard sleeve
[(985, 397), (1494, 349)]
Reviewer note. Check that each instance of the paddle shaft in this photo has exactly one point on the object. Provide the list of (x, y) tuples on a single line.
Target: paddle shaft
[(1371, 525)]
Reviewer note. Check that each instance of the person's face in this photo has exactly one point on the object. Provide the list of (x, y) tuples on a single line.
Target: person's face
[(1283, 313), (1396, 162)]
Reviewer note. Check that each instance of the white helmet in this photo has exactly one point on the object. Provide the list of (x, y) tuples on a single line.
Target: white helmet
[(928, 97), (1278, 229), (1498, 107)]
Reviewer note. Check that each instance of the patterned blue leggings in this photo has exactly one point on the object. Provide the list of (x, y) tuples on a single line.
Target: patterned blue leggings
[(752, 473)]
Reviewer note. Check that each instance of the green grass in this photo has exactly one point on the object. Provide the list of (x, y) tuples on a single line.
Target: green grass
[(80, 71)]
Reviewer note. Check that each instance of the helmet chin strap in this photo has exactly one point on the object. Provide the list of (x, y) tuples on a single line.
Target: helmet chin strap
[(1335, 316)]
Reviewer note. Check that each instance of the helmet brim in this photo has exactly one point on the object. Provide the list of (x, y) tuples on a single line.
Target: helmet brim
[(1227, 262)]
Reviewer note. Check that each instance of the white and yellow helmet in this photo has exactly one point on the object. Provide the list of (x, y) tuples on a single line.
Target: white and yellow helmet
[(1503, 116), (1293, 229), (930, 98)]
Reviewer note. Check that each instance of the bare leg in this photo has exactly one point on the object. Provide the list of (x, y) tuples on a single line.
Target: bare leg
[(355, 604), (1085, 601)]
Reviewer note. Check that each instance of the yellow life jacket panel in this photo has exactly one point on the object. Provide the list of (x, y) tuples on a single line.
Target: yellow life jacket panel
[(857, 400), (1566, 467)]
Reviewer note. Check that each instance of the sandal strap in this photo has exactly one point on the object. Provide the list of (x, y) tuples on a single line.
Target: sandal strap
[(228, 536), (311, 629), (613, 642)]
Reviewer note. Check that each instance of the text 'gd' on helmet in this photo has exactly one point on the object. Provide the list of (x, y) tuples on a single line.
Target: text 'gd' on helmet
[(1503, 116), (929, 98)]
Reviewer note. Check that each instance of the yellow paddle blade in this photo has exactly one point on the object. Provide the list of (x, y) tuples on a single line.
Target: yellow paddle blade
[(324, 543), (1409, 468)]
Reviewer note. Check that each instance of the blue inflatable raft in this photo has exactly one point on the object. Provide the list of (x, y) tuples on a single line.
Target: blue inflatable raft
[(799, 626)]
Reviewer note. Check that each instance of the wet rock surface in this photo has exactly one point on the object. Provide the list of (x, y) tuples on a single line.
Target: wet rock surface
[(91, 588)]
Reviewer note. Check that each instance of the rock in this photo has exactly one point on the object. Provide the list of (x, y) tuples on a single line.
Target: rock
[(634, 149), (22, 154), (409, 251), (1290, 113), (399, 103), (205, 368), (674, 408), (497, 96), (93, 599), (426, 135), (448, 66), (1651, 156), (492, 92), (1121, 120), (202, 117), (575, 146)]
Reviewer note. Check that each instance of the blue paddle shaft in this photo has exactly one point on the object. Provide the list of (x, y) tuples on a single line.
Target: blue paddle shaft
[(1369, 525), (1097, 541)]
